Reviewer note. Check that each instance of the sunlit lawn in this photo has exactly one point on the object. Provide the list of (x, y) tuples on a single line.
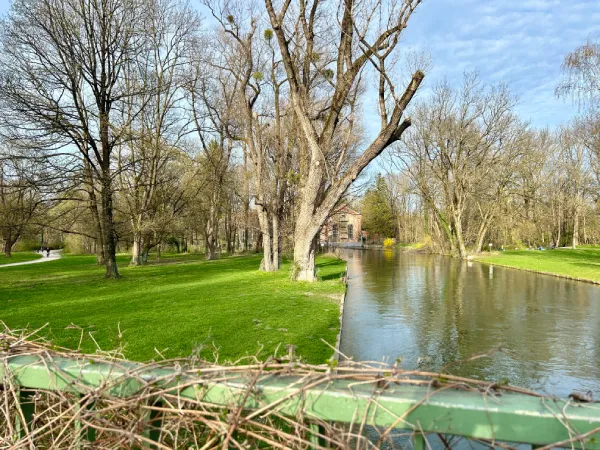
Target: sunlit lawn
[(19, 257), (580, 263), (176, 307)]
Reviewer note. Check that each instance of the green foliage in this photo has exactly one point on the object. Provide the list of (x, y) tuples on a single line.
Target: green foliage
[(258, 76), (74, 244), (377, 215), (27, 245), (293, 177), (183, 303), (328, 74), (268, 34)]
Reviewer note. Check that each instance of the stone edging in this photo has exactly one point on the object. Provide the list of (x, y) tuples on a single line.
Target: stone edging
[(336, 353), (541, 272)]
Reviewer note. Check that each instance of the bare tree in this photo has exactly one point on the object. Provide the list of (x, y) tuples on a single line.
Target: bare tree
[(157, 115), (251, 61), (575, 163), (461, 154), (213, 98), (324, 72), (21, 199), (581, 74), (64, 87)]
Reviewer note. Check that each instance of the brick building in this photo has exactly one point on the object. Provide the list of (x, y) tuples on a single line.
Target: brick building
[(344, 225)]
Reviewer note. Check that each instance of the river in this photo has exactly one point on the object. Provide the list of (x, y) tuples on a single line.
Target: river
[(434, 312)]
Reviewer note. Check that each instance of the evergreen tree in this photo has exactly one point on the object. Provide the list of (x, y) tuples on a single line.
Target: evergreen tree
[(377, 214)]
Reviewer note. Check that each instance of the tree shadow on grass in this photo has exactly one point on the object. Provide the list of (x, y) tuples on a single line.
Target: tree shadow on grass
[(330, 273)]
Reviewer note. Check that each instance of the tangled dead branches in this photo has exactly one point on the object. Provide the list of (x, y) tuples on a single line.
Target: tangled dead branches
[(174, 404)]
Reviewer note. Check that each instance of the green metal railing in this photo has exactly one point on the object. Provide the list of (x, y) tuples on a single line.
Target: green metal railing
[(506, 417)]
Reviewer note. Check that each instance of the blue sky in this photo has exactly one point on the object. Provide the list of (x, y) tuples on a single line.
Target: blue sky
[(520, 42)]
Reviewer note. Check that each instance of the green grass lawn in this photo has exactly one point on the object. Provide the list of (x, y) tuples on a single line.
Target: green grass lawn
[(182, 305), (580, 263), (19, 257)]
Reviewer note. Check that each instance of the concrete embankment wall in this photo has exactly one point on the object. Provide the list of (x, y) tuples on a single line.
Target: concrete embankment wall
[(353, 245), (338, 341)]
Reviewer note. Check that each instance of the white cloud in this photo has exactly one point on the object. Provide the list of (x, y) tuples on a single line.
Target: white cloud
[(521, 42)]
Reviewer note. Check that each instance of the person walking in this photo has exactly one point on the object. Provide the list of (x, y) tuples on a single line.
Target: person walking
[(48, 252)]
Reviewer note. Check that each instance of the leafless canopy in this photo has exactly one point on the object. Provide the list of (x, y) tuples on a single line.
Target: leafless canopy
[(581, 74)]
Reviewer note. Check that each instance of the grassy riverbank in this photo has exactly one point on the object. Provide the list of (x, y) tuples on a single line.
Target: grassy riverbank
[(19, 257), (178, 306), (582, 263)]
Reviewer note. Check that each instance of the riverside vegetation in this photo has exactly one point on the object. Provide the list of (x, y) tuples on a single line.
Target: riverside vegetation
[(582, 263)]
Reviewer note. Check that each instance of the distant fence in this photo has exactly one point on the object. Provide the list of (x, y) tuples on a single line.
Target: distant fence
[(282, 404)]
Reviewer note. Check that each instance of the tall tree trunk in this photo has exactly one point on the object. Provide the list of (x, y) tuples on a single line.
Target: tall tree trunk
[(458, 232), (246, 200), (304, 259), (304, 256), (94, 209), (305, 236), (483, 227), (267, 241), (145, 253), (558, 224), (258, 243), (100, 258), (307, 224), (275, 244), (110, 242), (9, 241), (210, 243), (230, 231), (211, 229), (136, 250), (575, 241), (447, 228)]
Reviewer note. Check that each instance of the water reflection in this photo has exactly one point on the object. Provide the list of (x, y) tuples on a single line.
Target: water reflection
[(543, 332)]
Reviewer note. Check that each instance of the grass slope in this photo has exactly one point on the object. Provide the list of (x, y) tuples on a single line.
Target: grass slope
[(19, 257), (583, 263), (182, 304)]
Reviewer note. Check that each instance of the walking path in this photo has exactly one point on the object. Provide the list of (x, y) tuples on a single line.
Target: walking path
[(54, 255)]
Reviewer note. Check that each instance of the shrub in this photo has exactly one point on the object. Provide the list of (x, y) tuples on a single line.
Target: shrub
[(26, 245), (389, 242)]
